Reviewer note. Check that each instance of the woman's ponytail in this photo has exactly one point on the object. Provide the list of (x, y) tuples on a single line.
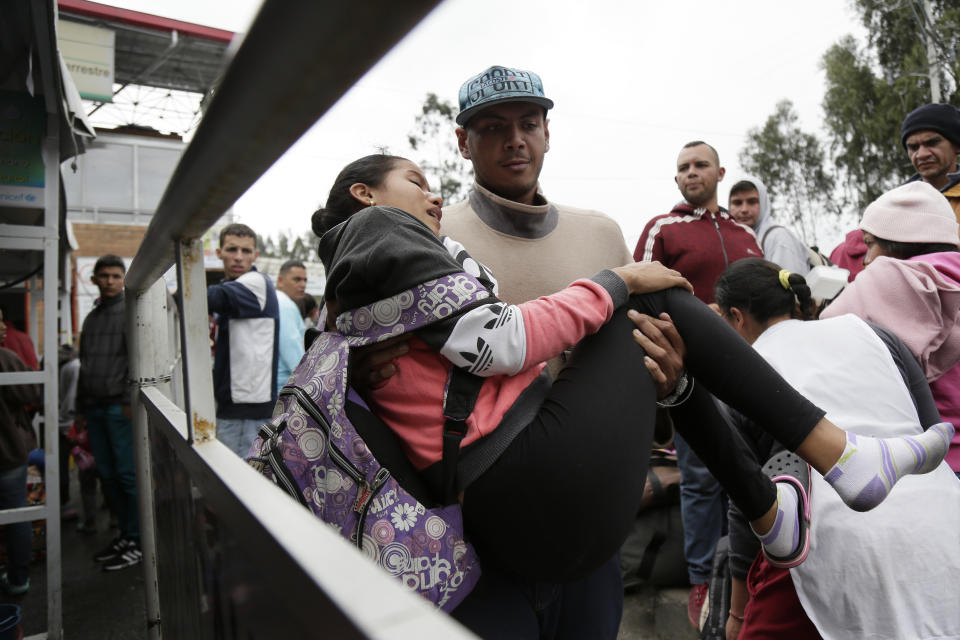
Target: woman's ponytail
[(764, 290), (805, 308)]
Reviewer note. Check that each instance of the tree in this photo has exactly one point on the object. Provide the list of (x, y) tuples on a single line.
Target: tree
[(290, 247), (433, 136), (909, 41), (790, 162), (870, 90)]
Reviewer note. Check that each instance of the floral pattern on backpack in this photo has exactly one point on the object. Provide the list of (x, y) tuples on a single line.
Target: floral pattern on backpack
[(312, 451)]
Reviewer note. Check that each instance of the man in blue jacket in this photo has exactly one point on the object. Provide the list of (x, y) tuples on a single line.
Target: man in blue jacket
[(245, 357)]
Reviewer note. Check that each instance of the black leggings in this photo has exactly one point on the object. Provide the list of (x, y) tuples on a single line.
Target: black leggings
[(562, 497)]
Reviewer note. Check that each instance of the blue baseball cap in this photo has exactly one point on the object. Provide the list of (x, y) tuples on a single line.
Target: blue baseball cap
[(500, 84)]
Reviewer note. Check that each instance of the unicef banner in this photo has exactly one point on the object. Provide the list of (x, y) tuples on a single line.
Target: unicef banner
[(22, 119)]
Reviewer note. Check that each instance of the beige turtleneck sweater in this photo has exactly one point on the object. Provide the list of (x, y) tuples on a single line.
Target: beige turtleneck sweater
[(534, 250)]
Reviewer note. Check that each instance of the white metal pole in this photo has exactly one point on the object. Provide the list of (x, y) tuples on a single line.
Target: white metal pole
[(33, 326), (149, 351), (51, 377), (197, 365), (66, 316)]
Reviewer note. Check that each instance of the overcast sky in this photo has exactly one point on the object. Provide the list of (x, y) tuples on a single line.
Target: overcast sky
[(632, 81)]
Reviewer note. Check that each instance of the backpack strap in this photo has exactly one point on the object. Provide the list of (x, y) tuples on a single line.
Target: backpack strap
[(763, 238), (649, 559), (421, 306), (459, 400)]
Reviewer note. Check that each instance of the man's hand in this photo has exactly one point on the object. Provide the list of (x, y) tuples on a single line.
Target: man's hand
[(739, 597), (371, 366), (665, 350), (646, 277), (733, 628)]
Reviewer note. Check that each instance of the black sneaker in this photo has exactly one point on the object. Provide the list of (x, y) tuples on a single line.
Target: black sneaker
[(128, 556), (110, 550)]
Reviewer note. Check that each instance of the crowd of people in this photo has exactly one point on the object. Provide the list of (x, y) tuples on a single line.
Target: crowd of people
[(93, 422), (577, 347), (383, 231), (95, 427)]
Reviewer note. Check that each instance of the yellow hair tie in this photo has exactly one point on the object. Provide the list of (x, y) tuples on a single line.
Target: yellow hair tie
[(785, 279)]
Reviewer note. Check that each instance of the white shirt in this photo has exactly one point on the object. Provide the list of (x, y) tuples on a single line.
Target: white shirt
[(893, 572)]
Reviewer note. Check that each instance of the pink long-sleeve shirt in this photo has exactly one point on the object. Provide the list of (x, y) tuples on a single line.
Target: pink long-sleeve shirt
[(411, 401)]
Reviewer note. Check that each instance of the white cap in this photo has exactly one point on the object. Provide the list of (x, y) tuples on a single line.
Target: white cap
[(914, 212)]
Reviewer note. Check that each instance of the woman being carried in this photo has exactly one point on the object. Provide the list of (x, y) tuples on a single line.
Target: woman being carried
[(558, 499)]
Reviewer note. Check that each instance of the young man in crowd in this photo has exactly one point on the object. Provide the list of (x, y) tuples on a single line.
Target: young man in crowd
[(534, 247), (930, 135), (699, 239), (245, 358), (750, 205), (103, 403), (291, 290)]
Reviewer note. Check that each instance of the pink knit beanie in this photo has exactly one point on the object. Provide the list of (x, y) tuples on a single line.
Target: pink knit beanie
[(914, 212)]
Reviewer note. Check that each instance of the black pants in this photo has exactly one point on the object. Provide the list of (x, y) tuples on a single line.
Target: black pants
[(506, 609), (560, 500)]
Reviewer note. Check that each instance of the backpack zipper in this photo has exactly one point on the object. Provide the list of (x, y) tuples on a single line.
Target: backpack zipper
[(280, 471), (307, 403), (366, 490), (362, 505), (283, 474)]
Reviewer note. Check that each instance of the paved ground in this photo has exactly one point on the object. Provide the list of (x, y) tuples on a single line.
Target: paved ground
[(656, 614), (97, 605)]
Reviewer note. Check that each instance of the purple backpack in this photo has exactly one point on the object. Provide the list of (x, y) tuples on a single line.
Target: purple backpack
[(315, 453)]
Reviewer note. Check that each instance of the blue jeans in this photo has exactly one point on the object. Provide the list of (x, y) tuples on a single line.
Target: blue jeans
[(702, 511), (19, 536), (111, 438), (238, 433)]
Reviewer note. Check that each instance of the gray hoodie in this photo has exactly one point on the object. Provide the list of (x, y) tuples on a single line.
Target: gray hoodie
[(779, 244)]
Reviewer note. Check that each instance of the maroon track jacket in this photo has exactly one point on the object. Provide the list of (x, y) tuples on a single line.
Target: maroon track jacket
[(698, 244)]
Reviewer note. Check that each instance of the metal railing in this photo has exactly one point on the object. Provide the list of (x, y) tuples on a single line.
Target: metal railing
[(226, 553), (45, 238)]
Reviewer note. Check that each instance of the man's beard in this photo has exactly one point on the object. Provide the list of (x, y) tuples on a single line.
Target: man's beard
[(700, 200)]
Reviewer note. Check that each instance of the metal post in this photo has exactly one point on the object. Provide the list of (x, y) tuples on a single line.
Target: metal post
[(149, 353), (51, 377), (175, 388), (184, 358), (195, 342), (66, 317), (33, 325)]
